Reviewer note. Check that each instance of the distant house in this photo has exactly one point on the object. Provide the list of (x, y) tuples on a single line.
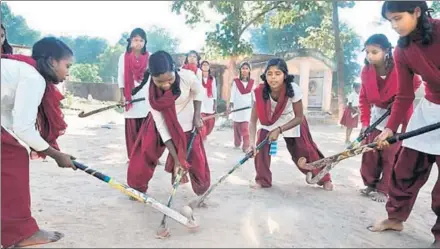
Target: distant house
[(20, 49)]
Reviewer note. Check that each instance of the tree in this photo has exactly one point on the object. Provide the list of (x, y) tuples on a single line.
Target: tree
[(161, 39), (87, 49), (237, 17), (85, 73), (266, 39), (339, 58), (329, 38), (314, 31), (17, 30), (123, 40), (108, 62), (436, 6)]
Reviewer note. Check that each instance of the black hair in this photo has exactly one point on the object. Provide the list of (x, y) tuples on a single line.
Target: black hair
[(198, 57), (382, 41), (44, 51), (288, 78), (209, 70), (423, 24), (6, 47), (159, 63), (137, 32), (245, 63)]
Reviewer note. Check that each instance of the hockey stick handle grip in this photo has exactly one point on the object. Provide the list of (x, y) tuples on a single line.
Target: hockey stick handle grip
[(413, 133), (92, 172), (373, 126), (224, 113)]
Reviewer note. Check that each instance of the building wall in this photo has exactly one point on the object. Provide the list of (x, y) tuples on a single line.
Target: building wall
[(21, 50), (98, 91)]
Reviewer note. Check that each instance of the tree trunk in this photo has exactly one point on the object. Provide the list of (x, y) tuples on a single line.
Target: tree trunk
[(228, 76), (340, 59)]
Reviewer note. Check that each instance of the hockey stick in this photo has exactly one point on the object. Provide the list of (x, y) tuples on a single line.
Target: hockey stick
[(199, 201), (329, 163), (139, 196), (163, 228), (224, 113), (83, 115), (370, 128)]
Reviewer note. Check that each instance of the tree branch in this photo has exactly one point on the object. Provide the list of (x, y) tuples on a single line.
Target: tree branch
[(255, 18)]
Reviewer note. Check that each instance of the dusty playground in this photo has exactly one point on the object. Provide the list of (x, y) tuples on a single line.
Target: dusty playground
[(290, 214)]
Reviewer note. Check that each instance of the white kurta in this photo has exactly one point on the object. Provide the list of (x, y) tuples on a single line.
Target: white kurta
[(426, 113), (191, 89), (240, 101), (22, 89), (353, 98), (287, 114), (208, 102), (138, 109), (376, 113)]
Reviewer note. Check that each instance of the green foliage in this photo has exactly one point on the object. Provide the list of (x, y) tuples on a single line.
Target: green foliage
[(86, 49), (436, 6), (95, 60), (237, 17), (85, 73), (17, 30), (314, 31), (161, 39), (267, 39), (323, 39), (123, 40), (108, 63), (158, 38)]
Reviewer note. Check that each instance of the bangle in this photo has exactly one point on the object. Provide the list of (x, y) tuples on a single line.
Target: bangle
[(281, 130)]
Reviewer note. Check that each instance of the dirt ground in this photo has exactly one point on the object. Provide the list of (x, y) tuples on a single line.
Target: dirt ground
[(290, 214)]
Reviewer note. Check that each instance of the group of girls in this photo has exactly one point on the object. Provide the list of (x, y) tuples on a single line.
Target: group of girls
[(176, 99)]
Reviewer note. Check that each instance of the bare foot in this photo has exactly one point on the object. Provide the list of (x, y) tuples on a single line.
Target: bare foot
[(379, 197), (366, 191), (328, 186), (163, 233), (255, 185), (41, 237), (388, 224)]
